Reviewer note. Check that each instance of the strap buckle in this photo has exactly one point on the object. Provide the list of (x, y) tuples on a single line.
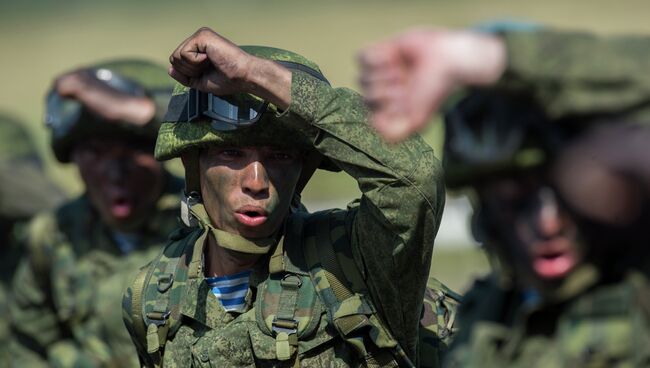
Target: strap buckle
[(165, 282), (288, 326), (159, 318)]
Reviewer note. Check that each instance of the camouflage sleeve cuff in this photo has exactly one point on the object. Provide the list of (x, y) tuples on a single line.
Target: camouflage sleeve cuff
[(341, 117), (307, 93)]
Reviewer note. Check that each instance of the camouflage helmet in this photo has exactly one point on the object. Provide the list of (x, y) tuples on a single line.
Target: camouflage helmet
[(177, 137), (135, 77), (489, 133)]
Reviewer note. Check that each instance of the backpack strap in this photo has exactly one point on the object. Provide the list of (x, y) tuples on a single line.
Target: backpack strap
[(156, 296), (343, 292), (139, 328)]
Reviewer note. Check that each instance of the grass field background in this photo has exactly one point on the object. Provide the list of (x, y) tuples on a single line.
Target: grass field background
[(41, 38)]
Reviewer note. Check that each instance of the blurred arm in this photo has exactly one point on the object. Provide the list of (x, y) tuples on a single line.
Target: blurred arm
[(104, 101), (572, 73)]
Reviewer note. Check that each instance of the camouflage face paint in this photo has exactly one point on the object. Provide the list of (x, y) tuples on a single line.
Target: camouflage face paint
[(540, 233), (247, 190), (123, 182)]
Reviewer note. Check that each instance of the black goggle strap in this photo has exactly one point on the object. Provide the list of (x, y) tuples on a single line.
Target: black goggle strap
[(305, 69)]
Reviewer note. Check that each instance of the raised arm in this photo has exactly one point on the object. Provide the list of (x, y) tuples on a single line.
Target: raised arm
[(407, 78)]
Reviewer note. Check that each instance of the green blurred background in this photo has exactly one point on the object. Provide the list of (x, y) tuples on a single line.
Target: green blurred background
[(41, 38)]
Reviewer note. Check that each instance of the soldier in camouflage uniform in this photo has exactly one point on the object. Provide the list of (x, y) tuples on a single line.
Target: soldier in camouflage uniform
[(253, 279), (556, 148), (67, 290), (24, 191)]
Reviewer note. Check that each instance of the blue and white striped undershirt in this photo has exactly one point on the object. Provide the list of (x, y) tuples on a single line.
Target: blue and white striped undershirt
[(230, 290)]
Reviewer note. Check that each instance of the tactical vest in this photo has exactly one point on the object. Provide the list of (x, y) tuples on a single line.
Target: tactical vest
[(319, 274)]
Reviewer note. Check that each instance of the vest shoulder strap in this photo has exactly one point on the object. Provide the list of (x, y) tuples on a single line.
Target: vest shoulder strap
[(341, 287), (153, 306)]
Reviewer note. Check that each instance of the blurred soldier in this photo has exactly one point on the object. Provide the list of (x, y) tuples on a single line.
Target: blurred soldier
[(24, 191), (67, 291), (254, 280), (556, 147)]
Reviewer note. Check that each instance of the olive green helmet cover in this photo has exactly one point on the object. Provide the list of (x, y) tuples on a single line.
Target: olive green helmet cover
[(157, 84), (273, 128)]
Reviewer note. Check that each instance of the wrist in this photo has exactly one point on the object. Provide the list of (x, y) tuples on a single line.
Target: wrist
[(478, 59), (269, 81)]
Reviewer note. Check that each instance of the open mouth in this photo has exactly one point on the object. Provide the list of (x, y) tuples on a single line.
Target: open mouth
[(251, 215), (121, 207), (554, 260)]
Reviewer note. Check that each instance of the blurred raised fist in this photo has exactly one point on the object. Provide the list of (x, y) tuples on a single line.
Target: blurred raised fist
[(405, 79)]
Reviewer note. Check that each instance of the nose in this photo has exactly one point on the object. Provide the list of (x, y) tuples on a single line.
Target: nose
[(255, 181), (549, 219), (116, 170)]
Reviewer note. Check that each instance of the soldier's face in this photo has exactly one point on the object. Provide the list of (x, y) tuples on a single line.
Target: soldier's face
[(542, 237), (248, 190), (123, 182)]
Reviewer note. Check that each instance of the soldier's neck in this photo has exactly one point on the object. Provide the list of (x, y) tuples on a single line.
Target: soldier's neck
[(220, 261)]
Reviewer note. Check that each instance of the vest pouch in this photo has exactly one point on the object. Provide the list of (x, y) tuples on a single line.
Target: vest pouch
[(288, 311), (225, 346), (200, 359), (322, 348)]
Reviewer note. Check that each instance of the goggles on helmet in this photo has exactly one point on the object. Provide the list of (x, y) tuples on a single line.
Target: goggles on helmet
[(225, 113), (63, 113), (489, 128)]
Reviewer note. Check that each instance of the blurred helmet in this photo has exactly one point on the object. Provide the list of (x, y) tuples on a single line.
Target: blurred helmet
[(196, 119), (15, 141), (70, 122), (24, 187), (488, 133)]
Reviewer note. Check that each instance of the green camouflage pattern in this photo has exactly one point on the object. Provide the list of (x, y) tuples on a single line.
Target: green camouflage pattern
[(24, 191), (158, 86), (579, 76), (67, 290), (273, 53), (176, 138), (390, 240), (579, 79), (438, 325), (605, 326)]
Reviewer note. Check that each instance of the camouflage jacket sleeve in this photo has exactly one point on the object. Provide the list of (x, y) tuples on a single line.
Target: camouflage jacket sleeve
[(398, 215), (575, 74)]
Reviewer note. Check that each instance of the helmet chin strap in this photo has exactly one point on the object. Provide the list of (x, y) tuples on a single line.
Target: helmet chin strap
[(232, 241), (192, 194)]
